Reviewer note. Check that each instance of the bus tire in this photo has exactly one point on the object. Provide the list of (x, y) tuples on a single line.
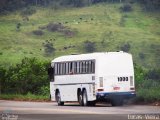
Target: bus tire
[(50, 97), (58, 99), (84, 98), (91, 103), (80, 98)]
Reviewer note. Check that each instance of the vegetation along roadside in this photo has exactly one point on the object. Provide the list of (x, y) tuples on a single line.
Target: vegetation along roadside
[(33, 32)]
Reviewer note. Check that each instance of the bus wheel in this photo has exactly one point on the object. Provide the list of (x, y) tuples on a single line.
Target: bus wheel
[(58, 99), (91, 103), (84, 98), (80, 98)]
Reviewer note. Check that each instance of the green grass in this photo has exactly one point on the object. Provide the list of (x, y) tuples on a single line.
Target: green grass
[(28, 97), (138, 28)]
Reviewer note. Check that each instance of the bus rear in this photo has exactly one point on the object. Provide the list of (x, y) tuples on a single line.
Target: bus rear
[(115, 77)]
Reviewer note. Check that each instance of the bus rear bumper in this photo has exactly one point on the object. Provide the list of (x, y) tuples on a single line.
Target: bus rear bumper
[(114, 95)]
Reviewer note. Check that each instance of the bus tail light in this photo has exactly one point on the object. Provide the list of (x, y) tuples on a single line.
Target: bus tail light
[(116, 88), (99, 90)]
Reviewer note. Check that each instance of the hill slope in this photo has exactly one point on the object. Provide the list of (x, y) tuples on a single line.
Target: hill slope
[(49, 33)]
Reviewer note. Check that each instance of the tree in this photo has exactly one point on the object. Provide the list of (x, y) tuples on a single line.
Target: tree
[(2, 5), (150, 5), (27, 76)]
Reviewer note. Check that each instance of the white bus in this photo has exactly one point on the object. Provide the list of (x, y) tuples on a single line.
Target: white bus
[(88, 78)]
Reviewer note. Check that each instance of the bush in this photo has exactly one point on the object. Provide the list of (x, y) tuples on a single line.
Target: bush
[(147, 84), (38, 32), (52, 27), (125, 47), (44, 90), (140, 75), (89, 46), (68, 32), (48, 47), (59, 27), (153, 74), (146, 78), (148, 95), (28, 76), (147, 90), (126, 8), (18, 26)]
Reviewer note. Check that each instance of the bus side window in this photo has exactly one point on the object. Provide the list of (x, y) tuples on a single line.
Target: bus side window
[(61, 69), (55, 68), (58, 68), (75, 67), (64, 68), (92, 66), (67, 68), (78, 66), (84, 67), (71, 68), (87, 66), (51, 73)]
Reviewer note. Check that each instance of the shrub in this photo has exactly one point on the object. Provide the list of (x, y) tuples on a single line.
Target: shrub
[(147, 90), (38, 32), (52, 27), (153, 74), (89, 46), (48, 47), (68, 32), (147, 84), (140, 75), (18, 26), (126, 8), (148, 95), (44, 90), (125, 47), (28, 76)]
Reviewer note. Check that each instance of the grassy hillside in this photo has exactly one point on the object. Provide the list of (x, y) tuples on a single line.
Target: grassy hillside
[(68, 28)]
